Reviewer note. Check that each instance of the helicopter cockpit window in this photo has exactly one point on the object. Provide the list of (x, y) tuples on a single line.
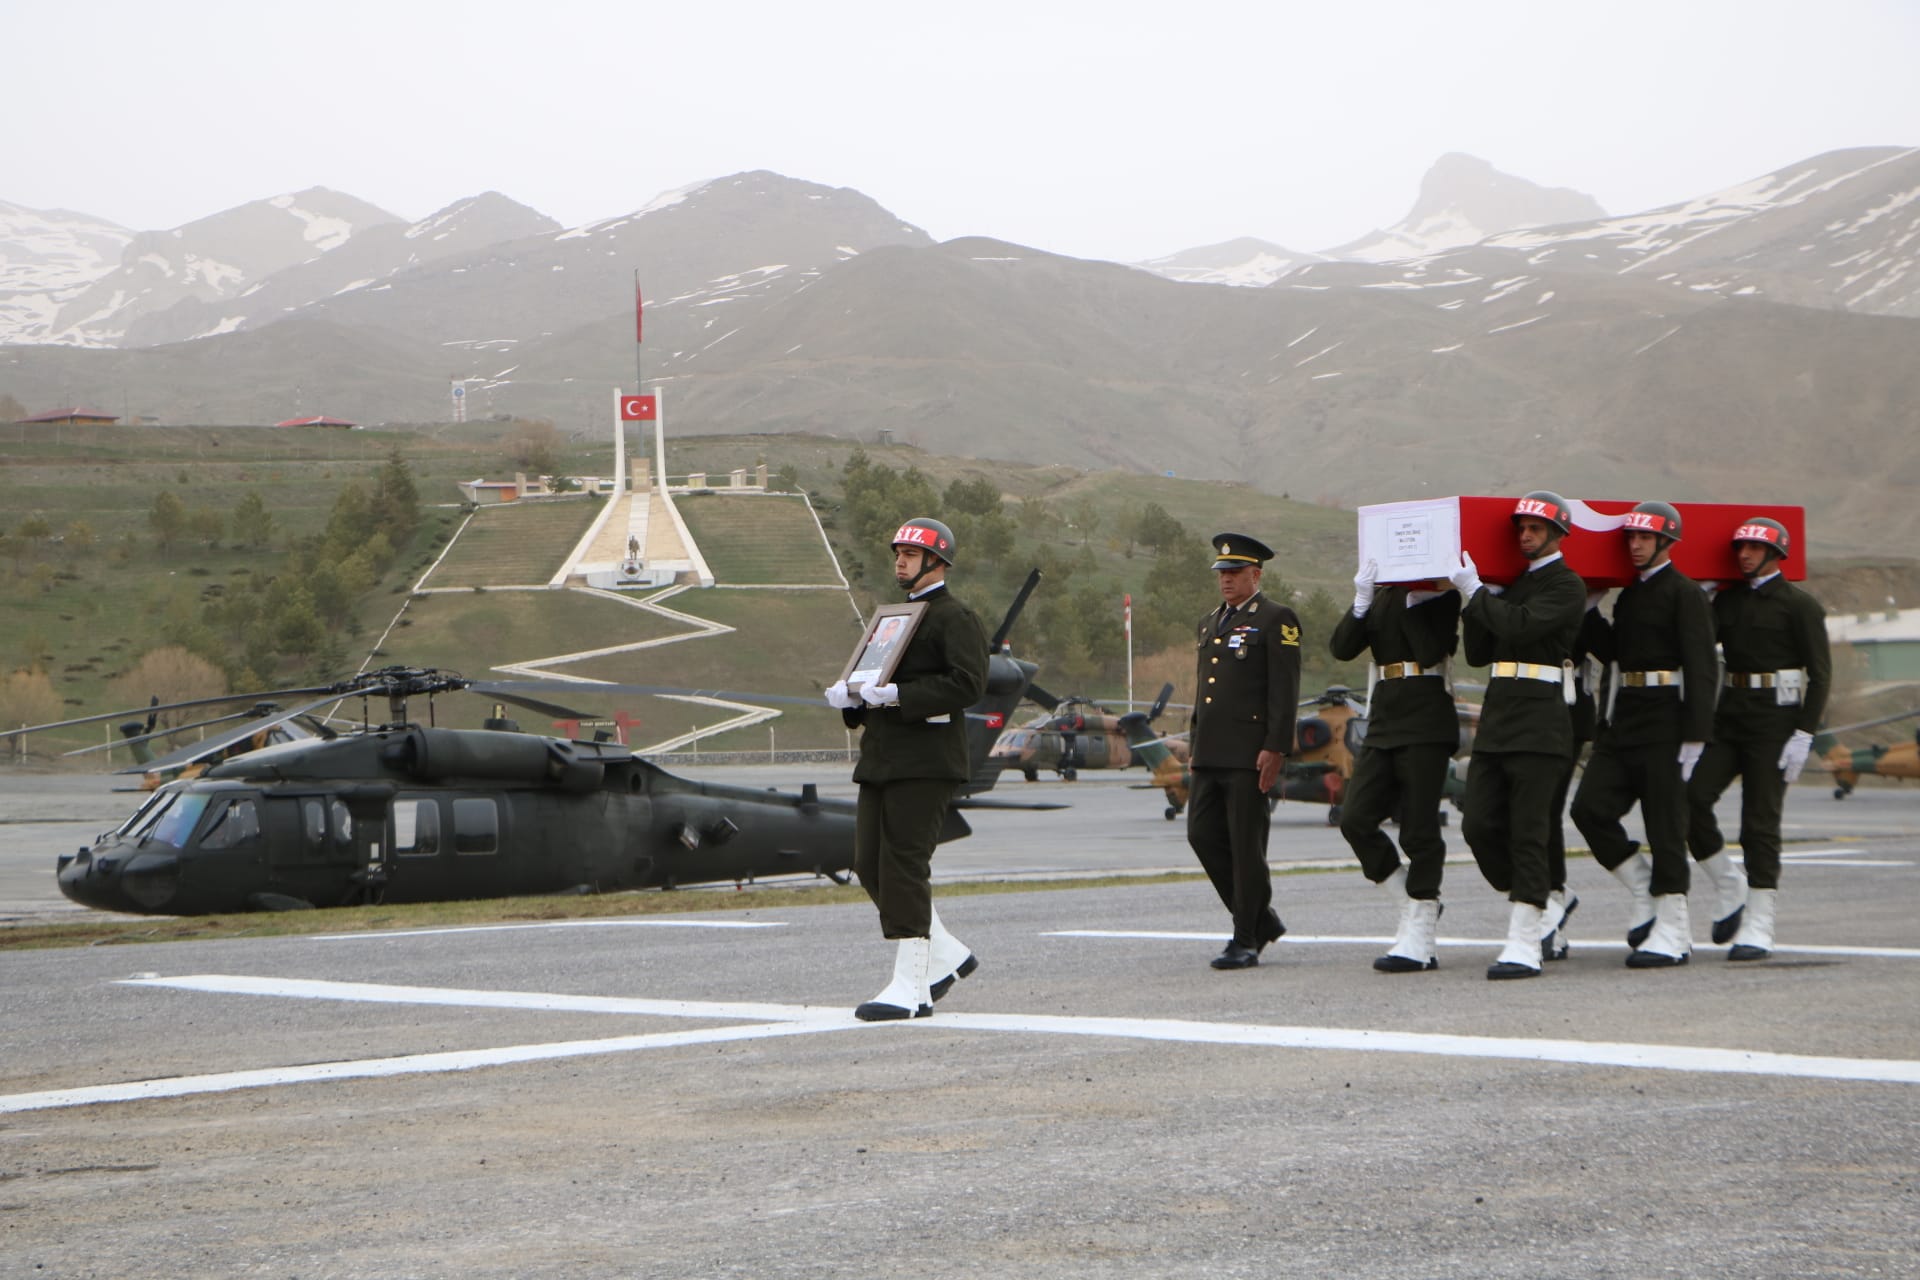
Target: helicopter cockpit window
[(476, 826), (236, 824), (416, 828), (148, 808), (177, 821), (342, 823)]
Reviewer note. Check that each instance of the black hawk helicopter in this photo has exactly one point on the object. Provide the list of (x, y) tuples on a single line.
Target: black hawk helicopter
[(404, 812)]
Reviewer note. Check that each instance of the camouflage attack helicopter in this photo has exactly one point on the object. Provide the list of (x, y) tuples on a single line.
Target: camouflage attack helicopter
[(1077, 733), (1849, 764), (404, 812), (1328, 737)]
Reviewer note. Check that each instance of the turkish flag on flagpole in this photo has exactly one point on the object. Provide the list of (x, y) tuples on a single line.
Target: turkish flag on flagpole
[(636, 308)]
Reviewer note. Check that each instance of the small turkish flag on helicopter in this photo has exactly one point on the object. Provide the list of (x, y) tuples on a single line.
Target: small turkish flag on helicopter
[(637, 408)]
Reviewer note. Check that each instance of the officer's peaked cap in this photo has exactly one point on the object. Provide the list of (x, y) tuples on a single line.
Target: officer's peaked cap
[(1237, 551)]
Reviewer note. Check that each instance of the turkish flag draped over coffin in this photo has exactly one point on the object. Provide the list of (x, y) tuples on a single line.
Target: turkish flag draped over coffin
[(1421, 540)]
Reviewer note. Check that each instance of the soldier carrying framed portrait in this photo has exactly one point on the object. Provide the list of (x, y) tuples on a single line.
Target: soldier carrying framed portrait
[(883, 644)]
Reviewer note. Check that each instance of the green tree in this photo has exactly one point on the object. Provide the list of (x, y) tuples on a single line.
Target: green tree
[(1155, 529), (396, 498), (207, 525), (167, 519), (34, 528), (252, 523)]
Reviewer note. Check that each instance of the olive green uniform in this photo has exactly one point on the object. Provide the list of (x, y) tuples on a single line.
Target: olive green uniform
[(1762, 630), (1661, 623), (1526, 729), (1412, 731), (1248, 683), (912, 758)]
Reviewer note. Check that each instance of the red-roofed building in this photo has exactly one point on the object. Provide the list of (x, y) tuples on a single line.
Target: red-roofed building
[(320, 420), (71, 418)]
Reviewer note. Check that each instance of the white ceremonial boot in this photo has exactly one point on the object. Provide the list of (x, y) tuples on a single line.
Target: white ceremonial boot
[(1755, 938), (1671, 941), (1560, 905), (1729, 892), (950, 959), (1520, 958), (906, 996), (1413, 947), (1637, 874)]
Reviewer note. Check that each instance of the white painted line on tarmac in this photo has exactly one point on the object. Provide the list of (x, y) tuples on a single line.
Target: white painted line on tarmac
[(376, 934), (413, 1064), (1383, 940), (803, 1019), (1789, 860), (545, 1001)]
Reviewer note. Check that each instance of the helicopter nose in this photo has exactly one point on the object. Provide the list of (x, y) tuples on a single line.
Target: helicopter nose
[(109, 881)]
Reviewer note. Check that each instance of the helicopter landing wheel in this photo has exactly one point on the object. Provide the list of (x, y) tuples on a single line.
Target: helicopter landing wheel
[(1069, 774), (1333, 815), (1840, 793), (1031, 775), (1172, 813)]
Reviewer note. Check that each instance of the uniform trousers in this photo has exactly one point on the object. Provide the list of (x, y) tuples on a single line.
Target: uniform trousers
[(1404, 783), (1556, 830), (1227, 823), (1616, 777), (896, 826), (1763, 793), (1509, 808)]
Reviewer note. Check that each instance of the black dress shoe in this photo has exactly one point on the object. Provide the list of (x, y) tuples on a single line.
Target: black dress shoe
[(945, 984), (1236, 956), (1726, 927), (1503, 970)]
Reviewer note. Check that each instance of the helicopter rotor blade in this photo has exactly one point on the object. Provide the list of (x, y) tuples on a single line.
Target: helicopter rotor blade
[(225, 738), (1013, 612), (523, 688), (152, 709), (150, 735), (1160, 703), (554, 709), (1870, 724), (1041, 697)]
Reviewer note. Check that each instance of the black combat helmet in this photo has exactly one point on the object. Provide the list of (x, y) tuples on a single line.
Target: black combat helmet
[(1545, 504), (1765, 531), (927, 534), (1653, 517)]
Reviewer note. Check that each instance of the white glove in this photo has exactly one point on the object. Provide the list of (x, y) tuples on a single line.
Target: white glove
[(1595, 599), (1466, 579), (1363, 588), (837, 695), (1689, 757), (880, 695), (1793, 756), (1494, 589)]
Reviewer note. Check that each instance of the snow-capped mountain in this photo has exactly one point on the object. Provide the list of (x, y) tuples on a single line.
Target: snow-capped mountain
[(46, 257), (1245, 261), (1463, 200), (1841, 230), (365, 260), (212, 258)]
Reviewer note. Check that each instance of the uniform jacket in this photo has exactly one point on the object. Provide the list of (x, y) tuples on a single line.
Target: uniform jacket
[(1586, 689), (1247, 687), (1662, 623), (1774, 627), (1536, 621), (1410, 710), (942, 673)]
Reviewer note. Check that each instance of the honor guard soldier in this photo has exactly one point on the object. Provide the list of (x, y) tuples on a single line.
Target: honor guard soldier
[(1778, 670), (1241, 733), (1659, 718), (1525, 636), (913, 756), (1412, 732)]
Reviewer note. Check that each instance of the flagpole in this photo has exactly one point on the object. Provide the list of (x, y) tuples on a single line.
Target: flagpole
[(639, 379), (1127, 614)]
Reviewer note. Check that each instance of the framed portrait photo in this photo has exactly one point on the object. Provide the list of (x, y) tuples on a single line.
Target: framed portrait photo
[(884, 643)]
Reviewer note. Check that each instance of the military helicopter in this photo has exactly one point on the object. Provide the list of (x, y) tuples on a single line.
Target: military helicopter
[(404, 812), (1849, 764), (1076, 733), (1328, 737)]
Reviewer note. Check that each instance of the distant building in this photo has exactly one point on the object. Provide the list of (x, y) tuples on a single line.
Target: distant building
[(1889, 640), (71, 418), (319, 420)]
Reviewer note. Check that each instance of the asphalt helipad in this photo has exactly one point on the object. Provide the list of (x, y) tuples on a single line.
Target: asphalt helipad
[(688, 1097)]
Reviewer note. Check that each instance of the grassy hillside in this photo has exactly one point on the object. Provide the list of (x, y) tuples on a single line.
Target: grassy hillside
[(521, 544), (751, 540)]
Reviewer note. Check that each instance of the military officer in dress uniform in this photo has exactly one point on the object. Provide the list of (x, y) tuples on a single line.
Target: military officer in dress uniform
[(1774, 638), (1659, 648), (1412, 733), (1526, 731), (913, 756), (1241, 733)]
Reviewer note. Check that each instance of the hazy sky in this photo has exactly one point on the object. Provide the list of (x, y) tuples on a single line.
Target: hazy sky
[(1106, 129)]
